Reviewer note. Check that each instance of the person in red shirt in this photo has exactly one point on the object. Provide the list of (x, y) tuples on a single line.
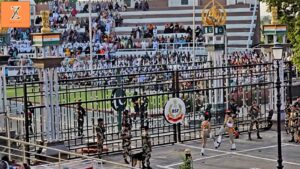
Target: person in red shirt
[(74, 12)]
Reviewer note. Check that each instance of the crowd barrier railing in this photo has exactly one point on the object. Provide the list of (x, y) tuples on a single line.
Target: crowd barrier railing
[(23, 153)]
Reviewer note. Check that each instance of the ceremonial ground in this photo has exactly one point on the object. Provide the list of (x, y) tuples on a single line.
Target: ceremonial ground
[(256, 154)]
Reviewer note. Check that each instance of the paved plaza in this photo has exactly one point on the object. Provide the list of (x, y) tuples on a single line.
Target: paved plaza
[(256, 154)]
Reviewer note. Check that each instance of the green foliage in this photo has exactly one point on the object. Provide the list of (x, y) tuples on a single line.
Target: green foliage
[(288, 11)]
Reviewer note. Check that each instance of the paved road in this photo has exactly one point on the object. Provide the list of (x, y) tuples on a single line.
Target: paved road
[(257, 154)]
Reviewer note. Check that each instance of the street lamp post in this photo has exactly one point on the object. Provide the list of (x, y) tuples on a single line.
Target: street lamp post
[(278, 53)]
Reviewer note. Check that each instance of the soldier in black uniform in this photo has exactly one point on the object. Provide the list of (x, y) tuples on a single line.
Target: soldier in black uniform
[(208, 111), (254, 114), (234, 109), (143, 109), (126, 142), (30, 115), (100, 129), (80, 118), (136, 105)]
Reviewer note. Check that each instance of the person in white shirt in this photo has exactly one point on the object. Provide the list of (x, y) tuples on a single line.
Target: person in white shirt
[(155, 44), (155, 32)]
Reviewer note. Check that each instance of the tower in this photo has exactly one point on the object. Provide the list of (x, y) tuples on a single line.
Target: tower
[(214, 19), (47, 69)]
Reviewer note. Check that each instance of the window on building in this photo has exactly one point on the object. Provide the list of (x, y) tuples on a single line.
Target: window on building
[(184, 2)]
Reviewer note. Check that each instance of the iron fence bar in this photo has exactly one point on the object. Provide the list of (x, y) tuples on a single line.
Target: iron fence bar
[(290, 81), (26, 121)]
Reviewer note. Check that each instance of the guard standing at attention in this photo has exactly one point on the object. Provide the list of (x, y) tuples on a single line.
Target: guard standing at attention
[(254, 114), (100, 129), (292, 122), (126, 142), (146, 143)]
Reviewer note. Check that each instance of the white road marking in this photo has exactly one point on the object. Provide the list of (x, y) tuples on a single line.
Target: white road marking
[(160, 166), (240, 153), (197, 159), (259, 148), (295, 145), (267, 159), (199, 148)]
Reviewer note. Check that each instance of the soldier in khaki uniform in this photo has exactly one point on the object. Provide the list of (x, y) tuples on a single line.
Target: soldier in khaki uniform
[(146, 143), (100, 129), (292, 122), (254, 115), (126, 142)]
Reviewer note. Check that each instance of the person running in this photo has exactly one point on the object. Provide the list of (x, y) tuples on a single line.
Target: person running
[(228, 127)]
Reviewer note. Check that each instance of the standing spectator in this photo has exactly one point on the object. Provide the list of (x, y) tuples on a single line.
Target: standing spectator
[(146, 6), (136, 5)]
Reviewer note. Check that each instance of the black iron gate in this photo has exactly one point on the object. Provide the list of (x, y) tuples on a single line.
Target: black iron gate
[(197, 87)]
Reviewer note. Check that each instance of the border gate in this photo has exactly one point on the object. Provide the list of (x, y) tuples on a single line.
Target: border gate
[(243, 83)]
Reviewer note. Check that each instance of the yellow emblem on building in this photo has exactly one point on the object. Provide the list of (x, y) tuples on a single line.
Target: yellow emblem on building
[(274, 12), (214, 14)]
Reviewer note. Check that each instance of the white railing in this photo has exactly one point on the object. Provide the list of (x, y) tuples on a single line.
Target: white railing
[(61, 161), (252, 23)]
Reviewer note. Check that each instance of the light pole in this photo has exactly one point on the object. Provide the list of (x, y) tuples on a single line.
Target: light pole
[(278, 53), (91, 36)]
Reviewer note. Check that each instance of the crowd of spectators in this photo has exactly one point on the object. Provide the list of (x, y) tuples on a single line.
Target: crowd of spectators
[(75, 31), (178, 28), (246, 57), (151, 31)]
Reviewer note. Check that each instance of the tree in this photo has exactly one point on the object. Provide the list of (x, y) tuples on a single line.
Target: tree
[(288, 12)]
